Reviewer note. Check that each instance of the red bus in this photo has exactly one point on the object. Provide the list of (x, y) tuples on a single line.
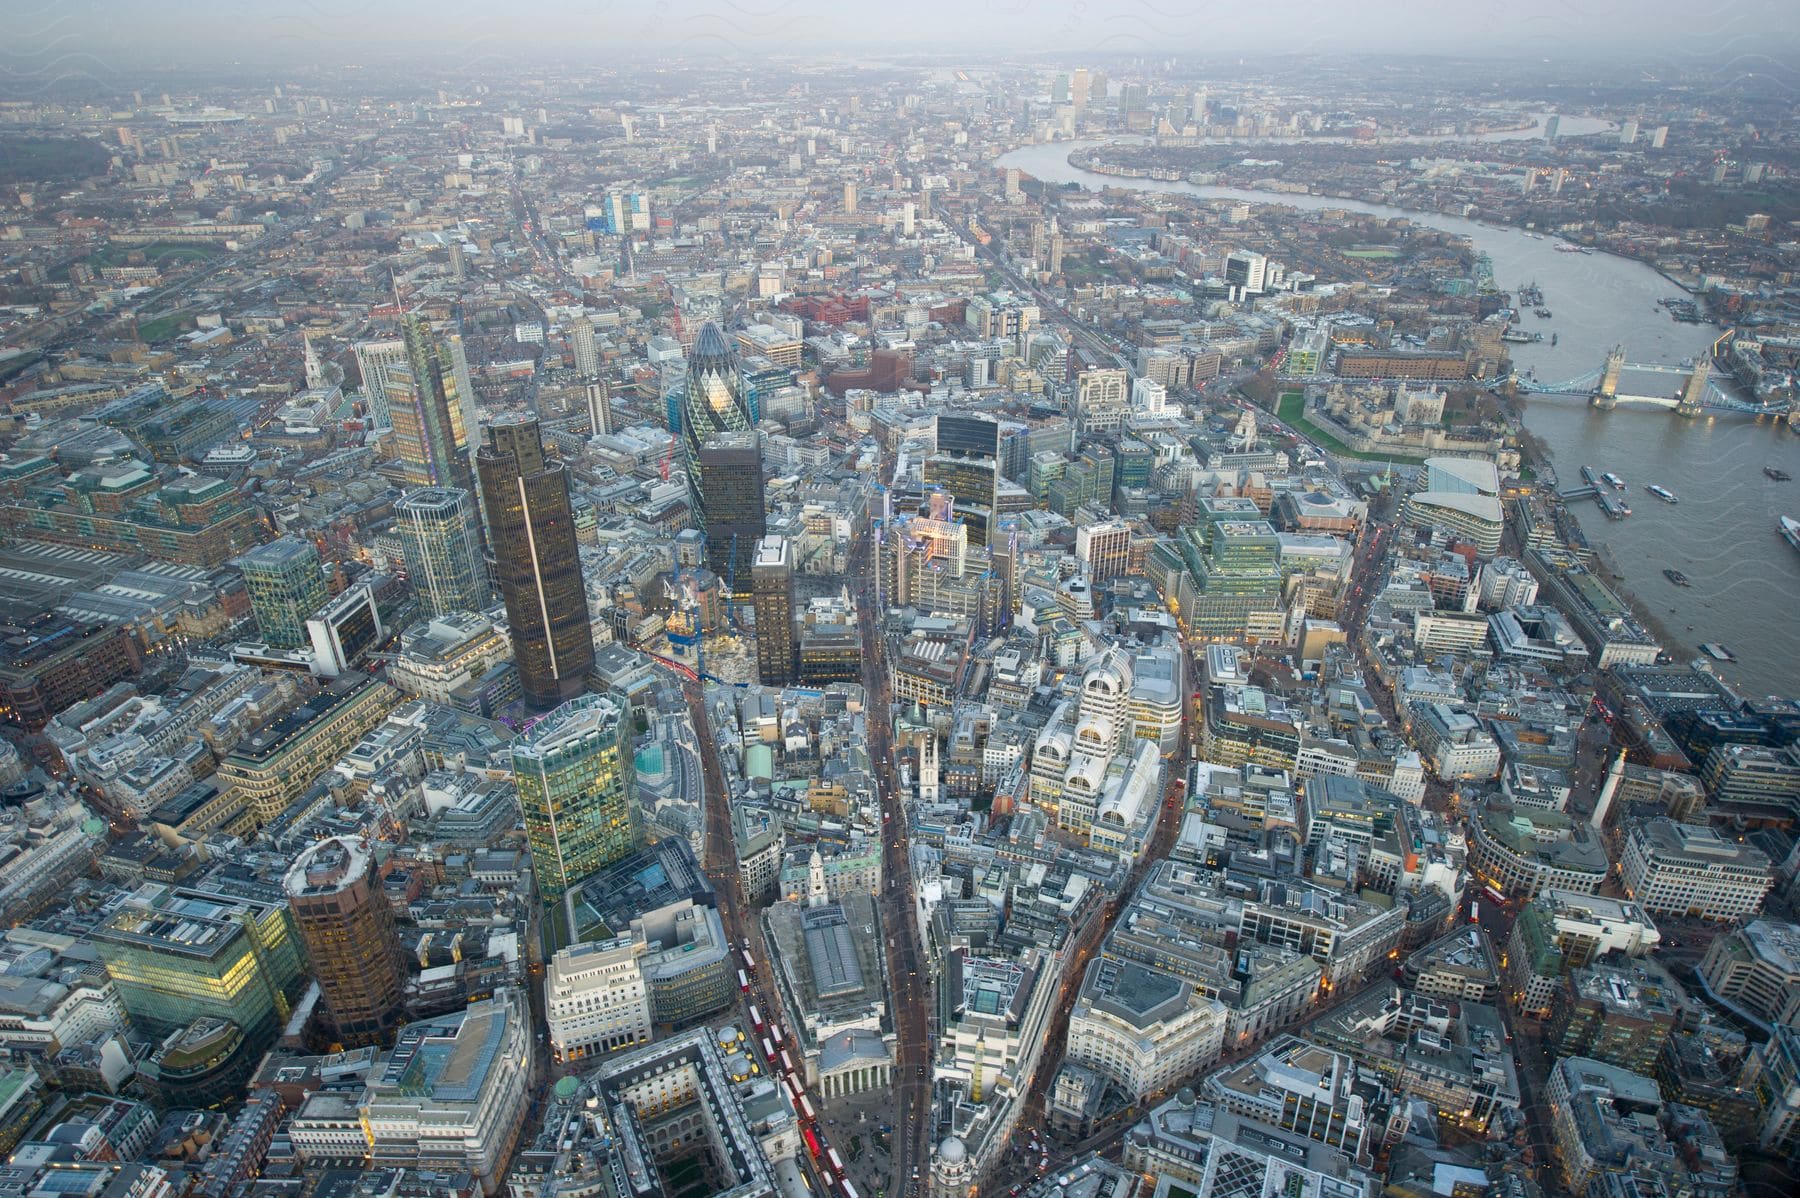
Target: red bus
[(812, 1141), (749, 961), (743, 981), (806, 1111), (837, 1162), (756, 1019), (775, 1030), (787, 1062), (768, 1049)]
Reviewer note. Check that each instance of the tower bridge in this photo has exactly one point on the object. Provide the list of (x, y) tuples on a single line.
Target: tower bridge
[(1699, 394)]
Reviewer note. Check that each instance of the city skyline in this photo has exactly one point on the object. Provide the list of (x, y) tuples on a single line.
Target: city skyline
[(1032, 599)]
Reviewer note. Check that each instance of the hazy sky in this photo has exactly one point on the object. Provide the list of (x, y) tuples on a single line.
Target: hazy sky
[(44, 37)]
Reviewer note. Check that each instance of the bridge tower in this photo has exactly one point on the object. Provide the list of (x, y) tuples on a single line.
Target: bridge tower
[(1693, 392), (1606, 395)]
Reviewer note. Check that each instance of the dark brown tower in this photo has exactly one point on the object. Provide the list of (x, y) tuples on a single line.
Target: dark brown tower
[(772, 596), (348, 928), (536, 563)]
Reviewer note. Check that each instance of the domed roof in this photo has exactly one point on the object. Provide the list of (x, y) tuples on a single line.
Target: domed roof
[(952, 1150), (711, 343)]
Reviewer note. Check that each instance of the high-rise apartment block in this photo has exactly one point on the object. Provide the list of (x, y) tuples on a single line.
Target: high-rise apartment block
[(586, 346)]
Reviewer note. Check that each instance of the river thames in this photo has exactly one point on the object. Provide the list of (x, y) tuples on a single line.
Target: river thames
[(1723, 534)]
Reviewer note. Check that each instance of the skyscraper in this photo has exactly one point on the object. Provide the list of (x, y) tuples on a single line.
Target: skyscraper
[(441, 538), (536, 561), (376, 360), (972, 482), (577, 790), (772, 594), (599, 405), (344, 920), (427, 409), (586, 346), (286, 584), (723, 458)]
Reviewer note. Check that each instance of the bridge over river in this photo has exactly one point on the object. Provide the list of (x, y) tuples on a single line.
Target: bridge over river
[(1698, 394)]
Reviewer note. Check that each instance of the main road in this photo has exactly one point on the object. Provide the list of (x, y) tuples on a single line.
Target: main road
[(909, 987), (735, 911), (1091, 936), (1085, 333)]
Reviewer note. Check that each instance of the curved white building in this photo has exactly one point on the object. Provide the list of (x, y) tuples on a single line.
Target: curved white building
[(1143, 1028)]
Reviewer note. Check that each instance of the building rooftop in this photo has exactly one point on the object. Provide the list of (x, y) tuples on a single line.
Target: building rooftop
[(831, 952), (1134, 993), (447, 1059), (1691, 844)]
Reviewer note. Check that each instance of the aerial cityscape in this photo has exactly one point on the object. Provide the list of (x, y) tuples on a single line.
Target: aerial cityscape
[(799, 606)]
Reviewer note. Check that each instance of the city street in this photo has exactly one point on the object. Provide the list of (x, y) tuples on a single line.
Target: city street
[(910, 987)]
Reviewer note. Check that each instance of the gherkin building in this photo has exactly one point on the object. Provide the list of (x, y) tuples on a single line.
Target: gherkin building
[(722, 456)]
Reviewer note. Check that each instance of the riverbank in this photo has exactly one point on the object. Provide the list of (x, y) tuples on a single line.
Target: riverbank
[(1093, 164), (1724, 534)]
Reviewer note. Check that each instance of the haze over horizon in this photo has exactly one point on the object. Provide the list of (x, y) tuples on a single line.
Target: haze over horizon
[(1748, 36)]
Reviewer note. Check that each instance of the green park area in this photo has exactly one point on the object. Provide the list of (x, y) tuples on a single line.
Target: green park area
[(162, 328), (1292, 410), (161, 254)]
